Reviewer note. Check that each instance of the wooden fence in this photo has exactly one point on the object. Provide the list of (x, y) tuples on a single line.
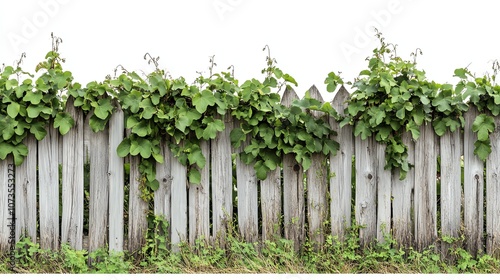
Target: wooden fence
[(416, 211)]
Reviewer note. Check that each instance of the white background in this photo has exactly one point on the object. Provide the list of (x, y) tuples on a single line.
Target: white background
[(308, 38)]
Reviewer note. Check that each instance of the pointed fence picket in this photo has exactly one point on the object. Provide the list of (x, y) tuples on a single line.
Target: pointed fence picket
[(337, 189)]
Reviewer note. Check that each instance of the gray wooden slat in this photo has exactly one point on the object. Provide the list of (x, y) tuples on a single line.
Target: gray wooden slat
[(425, 188), (341, 170), (179, 204), (451, 186), (222, 181), (402, 203), (48, 180), (270, 190), (293, 190), (493, 194), (26, 188), (246, 184), (384, 198), (199, 201), (162, 202), (137, 211), (99, 189), (116, 179), (317, 185), (366, 189), (473, 188), (72, 181)]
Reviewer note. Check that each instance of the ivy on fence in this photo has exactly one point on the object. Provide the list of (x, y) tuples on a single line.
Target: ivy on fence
[(390, 98)]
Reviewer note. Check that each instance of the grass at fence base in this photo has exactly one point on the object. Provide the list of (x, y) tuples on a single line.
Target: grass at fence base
[(241, 257)]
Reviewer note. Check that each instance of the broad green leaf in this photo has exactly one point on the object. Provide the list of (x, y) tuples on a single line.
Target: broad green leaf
[(64, 122), (34, 97), (123, 148), (261, 170), (194, 176), (237, 136), (483, 125), (38, 130), (482, 149), (103, 109), (197, 157), (13, 109), (362, 129), (202, 100), (212, 128)]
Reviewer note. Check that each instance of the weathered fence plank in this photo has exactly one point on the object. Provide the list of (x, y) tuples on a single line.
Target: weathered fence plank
[(293, 190), (473, 188), (270, 197), (48, 182), (116, 179), (341, 170), (222, 181), (137, 210), (26, 187), (162, 202), (5, 216), (451, 186), (99, 189), (246, 184), (402, 203), (179, 204), (199, 201), (384, 184), (366, 189), (493, 194), (425, 190), (72, 181), (317, 185)]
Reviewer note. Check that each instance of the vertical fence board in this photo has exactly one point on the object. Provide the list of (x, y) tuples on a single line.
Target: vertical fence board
[(72, 181), (222, 181), (293, 190), (402, 203), (5, 216), (199, 201), (137, 213), (116, 179), (246, 184), (473, 188), (317, 185), (270, 190), (451, 186), (162, 202), (179, 204), (384, 184), (341, 170), (48, 181), (99, 189), (26, 186), (425, 189), (493, 194), (366, 189)]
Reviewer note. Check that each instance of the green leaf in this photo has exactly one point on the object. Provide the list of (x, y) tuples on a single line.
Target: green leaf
[(362, 128), (197, 157), (439, 127), (261, 170), (212, 128), (482, 149), (237, 136), (38, 130), (194, 176), (13, 109), (64, 122), (34, 97), (123, 148), (202, 100), (103, 109), (460, 72), (132, 101), (148, 109), (483, 125)]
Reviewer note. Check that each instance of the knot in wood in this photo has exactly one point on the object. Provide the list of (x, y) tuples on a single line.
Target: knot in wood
[(364, 204), (296, 168), (476, 177), (370, 176)]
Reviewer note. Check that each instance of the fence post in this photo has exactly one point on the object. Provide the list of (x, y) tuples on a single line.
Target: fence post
[(341, 170), (199, 201), (473, 188), (293, 190), (222, 181), (137, 210), (425, 190), (270, 197), (246, 184), (26, 188), (384, 198), (179, 202), (493, 194), (72, 180), (162, 198), (99, 188), (116, 181)]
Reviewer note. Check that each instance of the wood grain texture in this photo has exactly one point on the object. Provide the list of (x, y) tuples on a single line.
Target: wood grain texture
[(116, 180), (137, 210), (199, 201), (162, 199), (493, 194), (179, 202), (384, 194), (270, 197), (341, 170)]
